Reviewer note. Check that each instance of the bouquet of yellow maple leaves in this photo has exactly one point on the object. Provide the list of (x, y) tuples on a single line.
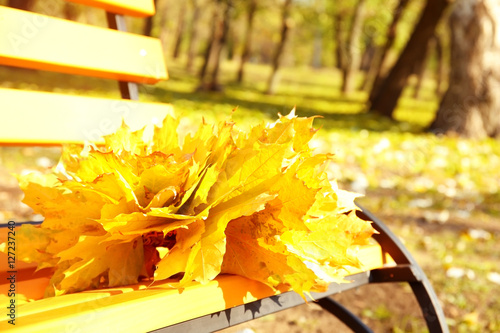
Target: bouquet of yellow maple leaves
[(256, 204)]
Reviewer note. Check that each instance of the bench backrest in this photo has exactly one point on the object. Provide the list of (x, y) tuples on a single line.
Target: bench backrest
[(35, 41)]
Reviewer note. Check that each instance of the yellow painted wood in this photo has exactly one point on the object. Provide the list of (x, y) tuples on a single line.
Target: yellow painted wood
[(139, 8), (40, 42), (142, 307), (42, 118), (135, 310)]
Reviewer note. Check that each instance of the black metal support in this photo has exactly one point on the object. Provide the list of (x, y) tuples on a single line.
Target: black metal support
[(400, 273), (407, 270), (128, 90), (346, 316), (5, 225)]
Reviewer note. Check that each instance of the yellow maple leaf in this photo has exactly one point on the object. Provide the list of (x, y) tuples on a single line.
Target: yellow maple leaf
[(177, 258), (255, 250), (257, 204), (40, 245), (119, 261)]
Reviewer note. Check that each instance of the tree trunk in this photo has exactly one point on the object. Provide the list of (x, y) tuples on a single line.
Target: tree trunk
[(338, 40), (180, 30), (148, 24), (353, 49), (193, 35), (210, 45), (317, 56), (231, 41), (421, 66), (440, 67), (161, 17), (70, 11), (247, 48), (471, 105), (21, 4), (385, 100), (214, 84), (286, 23), (368, 55), (374, 75), (222, 18)]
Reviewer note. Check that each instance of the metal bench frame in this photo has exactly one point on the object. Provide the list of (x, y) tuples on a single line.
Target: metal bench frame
[(405, 270)]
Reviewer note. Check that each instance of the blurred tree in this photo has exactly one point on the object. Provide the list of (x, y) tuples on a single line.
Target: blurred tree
[(338, 37), (70, 11), (440, 66), (212, 39), (374, 75), (385, 99), (247, 47), (471, 105), (286, 24), (21, 4), (179, 34), (318, 10), (148, 23), (193, 33), (163, 8), (231, 41), (220, 28), (369, 53), (353, 58), (421, 66)]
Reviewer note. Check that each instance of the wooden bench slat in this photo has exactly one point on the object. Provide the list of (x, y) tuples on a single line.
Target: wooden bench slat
[(40, 42), (129, 310), (139, 8), (137, 308), (42, 118)]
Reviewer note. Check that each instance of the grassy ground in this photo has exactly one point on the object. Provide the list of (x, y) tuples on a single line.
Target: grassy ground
[(440, 195)]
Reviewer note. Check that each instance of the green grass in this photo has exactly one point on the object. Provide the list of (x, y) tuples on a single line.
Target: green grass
[(432, 191), (312, 92)]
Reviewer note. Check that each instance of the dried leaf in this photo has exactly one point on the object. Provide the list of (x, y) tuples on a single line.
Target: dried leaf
[(257, 204)]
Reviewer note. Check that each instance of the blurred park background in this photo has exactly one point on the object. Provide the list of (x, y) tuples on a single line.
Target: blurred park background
[(408, 98)]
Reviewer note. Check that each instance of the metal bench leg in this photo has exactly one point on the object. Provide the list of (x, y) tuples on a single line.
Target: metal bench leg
[(343, 314), (409, 271)]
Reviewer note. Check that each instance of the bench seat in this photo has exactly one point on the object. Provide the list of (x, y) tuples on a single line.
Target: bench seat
[(144, 307)]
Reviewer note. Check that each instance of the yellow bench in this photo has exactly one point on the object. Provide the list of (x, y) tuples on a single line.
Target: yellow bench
[(39, 42)]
